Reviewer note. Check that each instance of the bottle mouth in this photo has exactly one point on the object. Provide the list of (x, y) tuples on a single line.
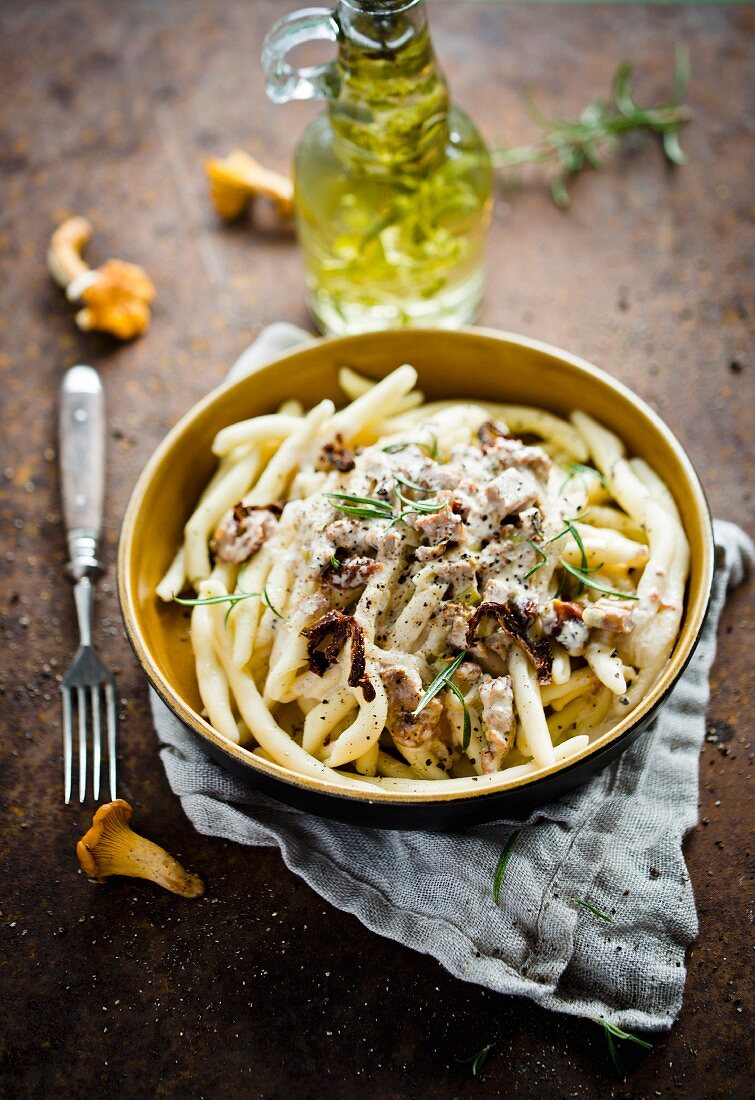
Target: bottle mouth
[(379, 7)]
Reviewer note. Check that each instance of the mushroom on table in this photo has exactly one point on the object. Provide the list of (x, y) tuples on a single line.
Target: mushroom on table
[(238, 178), (115, 297), (111, 847)]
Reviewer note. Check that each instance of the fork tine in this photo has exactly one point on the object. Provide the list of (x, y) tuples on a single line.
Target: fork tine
[(81, 703), (67, 744), (111, 734), (96, 743)]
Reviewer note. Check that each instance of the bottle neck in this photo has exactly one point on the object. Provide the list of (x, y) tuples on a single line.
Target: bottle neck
[(391, 109)]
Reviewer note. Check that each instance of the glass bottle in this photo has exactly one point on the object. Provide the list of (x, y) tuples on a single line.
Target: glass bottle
[(392, 182)]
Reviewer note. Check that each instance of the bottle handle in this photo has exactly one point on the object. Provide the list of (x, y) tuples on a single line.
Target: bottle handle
[(284, 82)]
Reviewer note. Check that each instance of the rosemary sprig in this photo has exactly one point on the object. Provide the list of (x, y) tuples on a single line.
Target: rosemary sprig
[(266, 599), (573, 146), (610, 1031), (430, 448), (427, 507), (374, 508), (466, 735), (441, 681), (503, 862), (361, 507), (204, 601), (409, 484), (542, 556), (570, 529), (335, 562), (618, 1065), (477, 1060), (592, 909), (586, 580), (231, 598)]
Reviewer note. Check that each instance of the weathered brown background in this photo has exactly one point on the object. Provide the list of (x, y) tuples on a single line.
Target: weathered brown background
[(261, 989)]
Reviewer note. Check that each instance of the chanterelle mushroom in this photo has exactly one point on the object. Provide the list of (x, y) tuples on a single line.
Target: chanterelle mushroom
[(111, 847), (115, 297), (236, 179)]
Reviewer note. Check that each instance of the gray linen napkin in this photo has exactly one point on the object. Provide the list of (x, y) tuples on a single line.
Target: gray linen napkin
[(615, 843)]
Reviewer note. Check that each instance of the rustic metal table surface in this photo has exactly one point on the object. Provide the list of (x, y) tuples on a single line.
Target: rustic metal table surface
[(261, 988)]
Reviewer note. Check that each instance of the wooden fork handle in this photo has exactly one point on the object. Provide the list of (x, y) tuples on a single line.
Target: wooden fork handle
[(82, 467)]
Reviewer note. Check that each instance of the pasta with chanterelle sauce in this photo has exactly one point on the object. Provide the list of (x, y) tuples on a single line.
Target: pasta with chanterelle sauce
[(404, 594)]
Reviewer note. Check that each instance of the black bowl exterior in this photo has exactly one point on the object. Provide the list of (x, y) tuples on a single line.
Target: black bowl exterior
[(515, 804)]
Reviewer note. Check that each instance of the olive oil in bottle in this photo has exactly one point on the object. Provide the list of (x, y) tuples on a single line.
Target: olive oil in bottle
[(392, 183)]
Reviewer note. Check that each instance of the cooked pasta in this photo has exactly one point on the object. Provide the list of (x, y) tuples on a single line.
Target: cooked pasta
[(404, 594)]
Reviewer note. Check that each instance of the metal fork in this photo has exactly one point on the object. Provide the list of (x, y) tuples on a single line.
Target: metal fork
[(88, 680)]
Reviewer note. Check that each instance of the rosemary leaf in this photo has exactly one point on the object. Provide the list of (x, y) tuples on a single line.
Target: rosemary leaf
[(586, 580), (570, 529), (477, 1060), (427, 507), (430, 448), (362, 512), (269, 603), (402, 480), (467, 722), (350, 498), (618, 1065), (543, 557), (361, 507), (441, 681), (583, 562), (592, 909), (335, 562), (612, 1029), (204, 601), (502, 864)]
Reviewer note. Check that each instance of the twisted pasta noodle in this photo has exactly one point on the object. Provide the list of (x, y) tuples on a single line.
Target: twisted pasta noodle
[(323, 718), (364, 732), (604, 516), (605, 548), (529, 706), (367, 763), (605, 662), (289, 653), (558, 694), (246, 615), (212, 681), (355, 385), (561, 667), (379, 401), (174, 580), (260, 429), (221, 498)]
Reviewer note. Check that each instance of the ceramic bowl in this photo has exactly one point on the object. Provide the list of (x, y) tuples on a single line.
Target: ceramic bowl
[(471, 363)]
